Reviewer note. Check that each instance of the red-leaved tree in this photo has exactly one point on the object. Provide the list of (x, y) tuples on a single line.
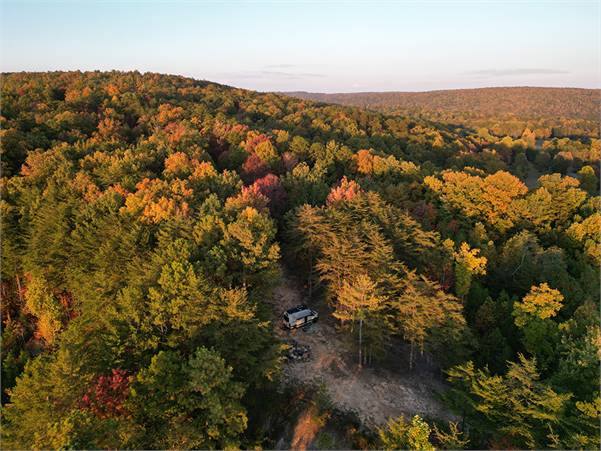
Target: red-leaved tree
[(253, 168), (106, 397), (346, 190), (271, 187)]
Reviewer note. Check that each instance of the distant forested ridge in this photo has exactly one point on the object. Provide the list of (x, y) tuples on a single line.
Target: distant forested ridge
[(568, 110), (146, 219)]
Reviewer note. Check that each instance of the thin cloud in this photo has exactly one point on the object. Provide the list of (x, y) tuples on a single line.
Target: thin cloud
[(518, 71), (280, 66), (273, 75)]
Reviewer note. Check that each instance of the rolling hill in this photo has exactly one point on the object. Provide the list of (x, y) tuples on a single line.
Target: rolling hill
[(521, 102)]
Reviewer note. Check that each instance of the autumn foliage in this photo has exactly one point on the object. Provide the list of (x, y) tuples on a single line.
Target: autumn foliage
[(106, 396), (345, 191), (147, 219)]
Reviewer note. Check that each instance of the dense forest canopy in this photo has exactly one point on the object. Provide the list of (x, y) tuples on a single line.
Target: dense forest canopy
[(557, 111), (146, 219)]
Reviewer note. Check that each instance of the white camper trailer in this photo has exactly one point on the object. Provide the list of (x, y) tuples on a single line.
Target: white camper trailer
[(299, 316)]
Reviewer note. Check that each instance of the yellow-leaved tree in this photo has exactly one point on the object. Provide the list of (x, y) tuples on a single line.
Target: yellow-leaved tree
[(541, 302), (356, 299), (468, 263)]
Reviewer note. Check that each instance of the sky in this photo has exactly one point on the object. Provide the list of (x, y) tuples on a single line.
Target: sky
[(335, 46)]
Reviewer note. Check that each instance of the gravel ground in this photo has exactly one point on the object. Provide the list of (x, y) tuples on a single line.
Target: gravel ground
[(373, 394)]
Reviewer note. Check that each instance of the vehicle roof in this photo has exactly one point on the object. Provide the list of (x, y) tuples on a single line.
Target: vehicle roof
[(299, 311), (298, 308)]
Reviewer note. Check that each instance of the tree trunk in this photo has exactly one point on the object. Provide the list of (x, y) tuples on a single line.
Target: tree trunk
[(19, 289), (411, 357), (310, 276), (360, 339)]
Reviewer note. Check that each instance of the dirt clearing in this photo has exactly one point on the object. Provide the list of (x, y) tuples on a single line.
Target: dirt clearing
[(373, 394)]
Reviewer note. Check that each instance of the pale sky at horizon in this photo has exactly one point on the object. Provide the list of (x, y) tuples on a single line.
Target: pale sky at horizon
[(314, 46)]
